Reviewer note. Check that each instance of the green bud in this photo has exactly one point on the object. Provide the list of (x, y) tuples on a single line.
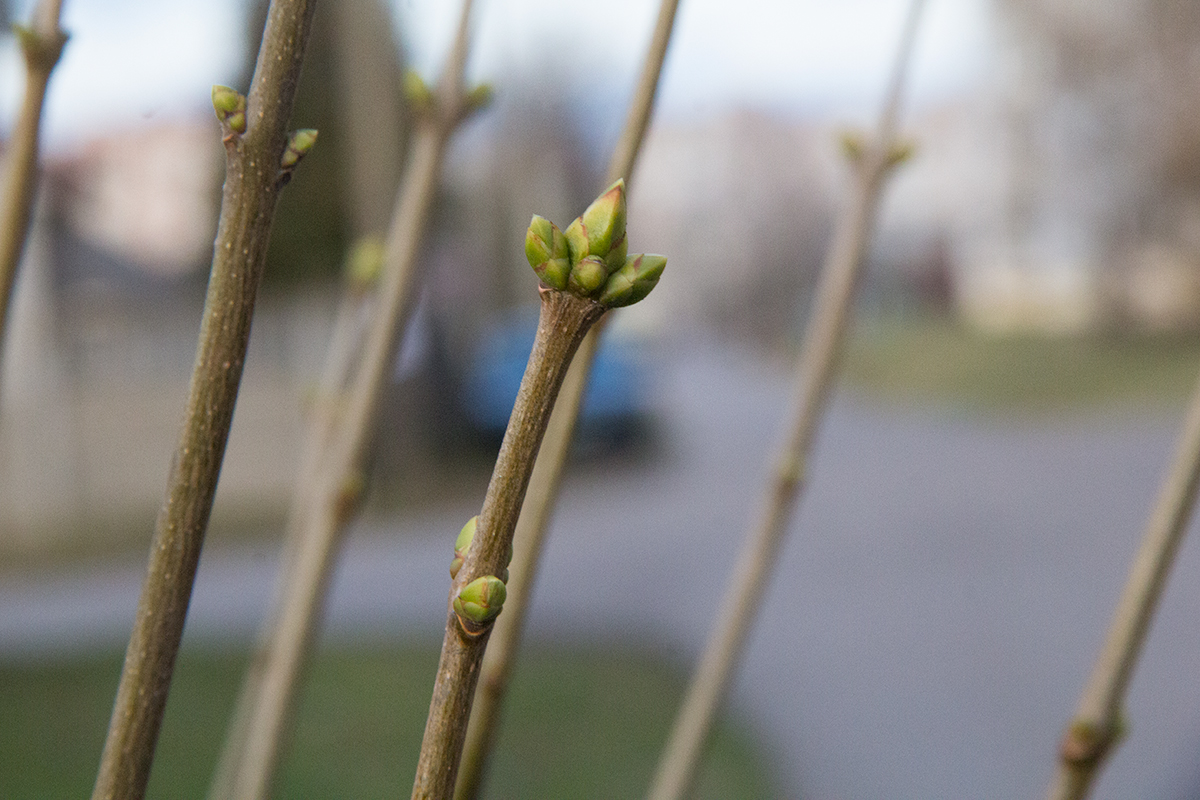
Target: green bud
[(40, 52), (417, 92), (480, 601), (299, 143), (604, 220), (900, 152), (853, 146), (577, 243), (478, 98), (601, 228), (587, 276), (364, 262), (546, 250), (617, 255), (230, 106), (462, 544), (633, 281)]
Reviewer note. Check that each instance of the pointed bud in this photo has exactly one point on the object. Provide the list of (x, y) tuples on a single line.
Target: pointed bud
[(417, 92), (364, 262), (546, 250), (900, 152), (577, 242), (478, 98), (587, 276), (230, 106), (40, 51), (604, 220), (616, 256), (299, 143), (853, 146), (633, 281), (462, 544), (479, 602)]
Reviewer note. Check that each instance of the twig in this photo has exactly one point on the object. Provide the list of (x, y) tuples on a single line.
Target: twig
[(259, 160), (584, 272), (547, 474), (814, 380), (1098, 725), (41, 45), (328, 496)]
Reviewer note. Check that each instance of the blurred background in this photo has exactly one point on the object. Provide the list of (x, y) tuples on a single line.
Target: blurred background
[(1025, 338)]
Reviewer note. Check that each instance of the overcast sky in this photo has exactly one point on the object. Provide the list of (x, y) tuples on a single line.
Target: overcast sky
[(131, 60)]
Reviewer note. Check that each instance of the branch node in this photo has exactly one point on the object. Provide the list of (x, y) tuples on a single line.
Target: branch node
[(230, 106), (298, 146), (41, 52), (1086, 743)]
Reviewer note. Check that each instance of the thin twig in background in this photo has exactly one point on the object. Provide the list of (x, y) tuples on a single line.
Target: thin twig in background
[(1098, 725), (873, 162), (41, 45), (328, 493), (344, 347), (528, 541), (259, 160)]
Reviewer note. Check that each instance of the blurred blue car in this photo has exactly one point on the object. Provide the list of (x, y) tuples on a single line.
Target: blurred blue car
[(614, 407)]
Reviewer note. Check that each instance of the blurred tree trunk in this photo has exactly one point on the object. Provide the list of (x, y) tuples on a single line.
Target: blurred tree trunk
[(351, 90), (368, 70)]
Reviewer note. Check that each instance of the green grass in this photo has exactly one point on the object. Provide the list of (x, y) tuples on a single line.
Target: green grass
[(926, 359), (582, 724)]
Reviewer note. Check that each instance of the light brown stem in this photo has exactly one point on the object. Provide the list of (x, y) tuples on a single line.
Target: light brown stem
[(41, 46), (564, 321), (1096, 728), (814, 380), (252, 183), (551, 463), (325, 502)]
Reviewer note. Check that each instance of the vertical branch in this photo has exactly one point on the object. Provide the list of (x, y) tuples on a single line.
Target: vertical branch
[(1097, 726), (258, 163), (547, 473), (41, 45), (564, 321), (327, 496), (814, 380)]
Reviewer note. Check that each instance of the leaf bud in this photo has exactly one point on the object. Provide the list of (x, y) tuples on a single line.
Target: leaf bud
[(546, 251), (230, 106), (633, 281), (299, 143), (587, 276), (479, 603), (601, 227), (462, 544)]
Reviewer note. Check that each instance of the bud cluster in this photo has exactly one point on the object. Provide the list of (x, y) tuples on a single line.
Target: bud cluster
[(590, 259)]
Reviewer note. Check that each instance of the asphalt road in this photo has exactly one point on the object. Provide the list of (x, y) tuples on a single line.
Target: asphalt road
[(933, 617)]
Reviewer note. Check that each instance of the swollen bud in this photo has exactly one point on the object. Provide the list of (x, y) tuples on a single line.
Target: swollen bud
[(462, 544), (299, 143), (230, 106), (587, 276), (364, 263), (601, 227), (546, 250), (633, 281), (417, 92), (478, 98), (479, 603)]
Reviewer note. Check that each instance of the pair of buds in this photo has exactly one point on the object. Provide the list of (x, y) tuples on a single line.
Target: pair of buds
[(480, 601)]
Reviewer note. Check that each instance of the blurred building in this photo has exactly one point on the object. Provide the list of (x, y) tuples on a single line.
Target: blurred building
[(103, 331), (1097, 122)]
